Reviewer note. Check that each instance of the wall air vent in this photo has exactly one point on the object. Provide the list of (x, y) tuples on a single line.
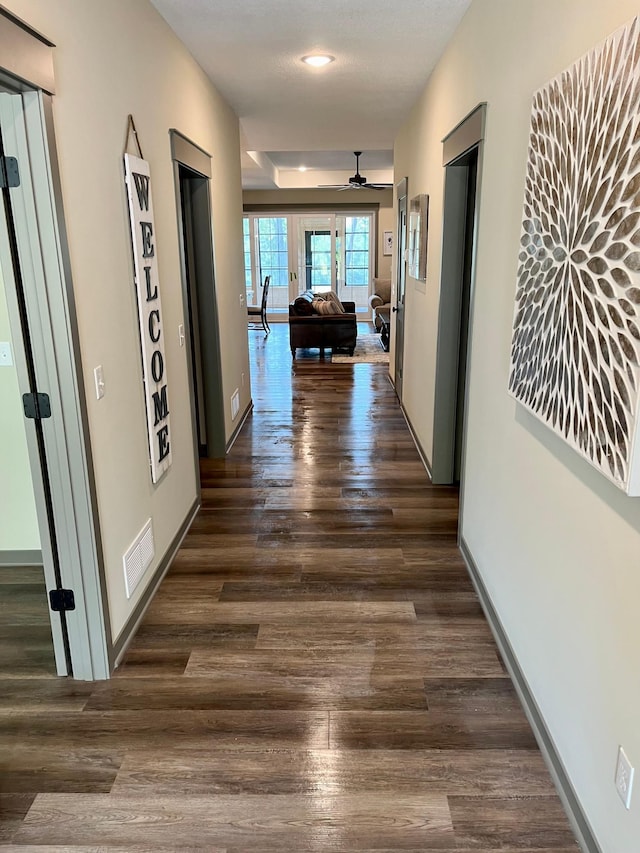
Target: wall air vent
[(235, 404), (138, 558)]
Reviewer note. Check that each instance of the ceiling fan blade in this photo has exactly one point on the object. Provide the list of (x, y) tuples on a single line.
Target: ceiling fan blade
[(356, 182)]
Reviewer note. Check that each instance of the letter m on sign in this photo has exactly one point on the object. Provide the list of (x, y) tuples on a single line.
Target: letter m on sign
[(160, 405)]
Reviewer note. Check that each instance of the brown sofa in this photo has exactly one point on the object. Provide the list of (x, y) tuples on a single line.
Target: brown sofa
[(309, 330)]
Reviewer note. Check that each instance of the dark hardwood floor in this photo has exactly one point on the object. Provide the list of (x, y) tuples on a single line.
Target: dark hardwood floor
[(26, 647), (315, 673)]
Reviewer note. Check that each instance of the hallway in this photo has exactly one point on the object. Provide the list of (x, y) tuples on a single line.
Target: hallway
[(315, 673)]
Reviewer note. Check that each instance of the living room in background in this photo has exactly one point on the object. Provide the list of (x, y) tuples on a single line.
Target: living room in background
[(318, 251)]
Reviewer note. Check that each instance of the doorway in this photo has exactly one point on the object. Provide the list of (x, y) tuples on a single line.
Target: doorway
[(42, 375), (192, 169), (317, 245), (311, 251), (462, 162), (33, 639), (401, 278)]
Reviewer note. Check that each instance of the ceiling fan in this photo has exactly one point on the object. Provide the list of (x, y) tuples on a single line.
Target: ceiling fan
[(356, 182)]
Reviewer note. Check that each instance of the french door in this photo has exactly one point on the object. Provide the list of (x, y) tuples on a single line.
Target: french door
[(315, 251)]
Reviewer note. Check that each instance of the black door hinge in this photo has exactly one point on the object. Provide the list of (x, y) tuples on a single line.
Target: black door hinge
[(36, 406), (62, 600), (9, 172)]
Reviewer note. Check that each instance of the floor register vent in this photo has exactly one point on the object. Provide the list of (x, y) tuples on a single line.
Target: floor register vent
[(138, 558)]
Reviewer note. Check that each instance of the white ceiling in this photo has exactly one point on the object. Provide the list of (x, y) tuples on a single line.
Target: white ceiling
[(291, 113), (330, 160)]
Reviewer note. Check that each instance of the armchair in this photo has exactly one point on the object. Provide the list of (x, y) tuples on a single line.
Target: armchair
[(380, 299)]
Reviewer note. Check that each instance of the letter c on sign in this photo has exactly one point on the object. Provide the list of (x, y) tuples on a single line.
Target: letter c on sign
[(154, 330)]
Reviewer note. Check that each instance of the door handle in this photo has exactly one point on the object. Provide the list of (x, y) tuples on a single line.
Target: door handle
[(394, 309)]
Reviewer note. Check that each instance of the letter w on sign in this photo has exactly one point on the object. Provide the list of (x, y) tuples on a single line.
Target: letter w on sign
[(145, 265)]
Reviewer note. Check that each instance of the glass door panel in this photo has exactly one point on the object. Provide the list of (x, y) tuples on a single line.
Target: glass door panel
[(272, 256), (316, 253), (248, 262), (356, 259), (319, 252)]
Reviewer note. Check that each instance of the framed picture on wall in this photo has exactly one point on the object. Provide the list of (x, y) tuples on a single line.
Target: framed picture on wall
[(418, 231), (387, 243)]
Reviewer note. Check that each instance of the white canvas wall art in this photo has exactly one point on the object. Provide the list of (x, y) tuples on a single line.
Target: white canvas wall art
[(575, 357)]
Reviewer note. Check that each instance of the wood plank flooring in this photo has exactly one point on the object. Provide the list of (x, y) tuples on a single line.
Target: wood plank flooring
[(315, 673), (26, 647)]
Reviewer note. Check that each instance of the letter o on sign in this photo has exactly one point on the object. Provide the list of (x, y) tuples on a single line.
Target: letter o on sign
[(157, 366)]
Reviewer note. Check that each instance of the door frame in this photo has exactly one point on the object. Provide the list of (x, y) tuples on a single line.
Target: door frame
[(402, 194), (42, 250), (190, 158), (466, 136)]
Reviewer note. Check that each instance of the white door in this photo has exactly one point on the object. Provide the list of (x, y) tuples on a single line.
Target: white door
[(40, 310), (316, 252), (26, 526), (267, 252), (356, 258)]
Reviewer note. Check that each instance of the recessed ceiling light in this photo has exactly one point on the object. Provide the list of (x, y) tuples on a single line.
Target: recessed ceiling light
[(317, 60), (302, 168)]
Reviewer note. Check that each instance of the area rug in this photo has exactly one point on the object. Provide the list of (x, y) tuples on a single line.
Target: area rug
[(368, 351)]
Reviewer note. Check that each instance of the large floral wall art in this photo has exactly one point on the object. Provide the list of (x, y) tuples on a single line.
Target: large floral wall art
[(575, 357)]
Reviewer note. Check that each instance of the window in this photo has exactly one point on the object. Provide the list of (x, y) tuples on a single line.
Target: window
[(248, 274), (273, 252), (356, 251)]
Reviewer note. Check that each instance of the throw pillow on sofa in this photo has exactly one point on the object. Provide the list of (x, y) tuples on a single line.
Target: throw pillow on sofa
[(324, 306), (330, 296), (303, 305)]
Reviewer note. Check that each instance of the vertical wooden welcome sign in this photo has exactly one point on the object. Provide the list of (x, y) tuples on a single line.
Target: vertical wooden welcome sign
[(138, 180)]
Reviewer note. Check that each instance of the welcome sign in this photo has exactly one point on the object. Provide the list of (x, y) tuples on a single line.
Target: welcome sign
[(138, 180)]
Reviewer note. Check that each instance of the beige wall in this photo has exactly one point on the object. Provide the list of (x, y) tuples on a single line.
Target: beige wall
[(112, 59), (322, 197), (557, 545), (18, 521)]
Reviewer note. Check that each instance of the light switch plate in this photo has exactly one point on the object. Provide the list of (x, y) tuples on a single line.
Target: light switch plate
[(6, 358), (624, 777), (99, 380), (181, 334)]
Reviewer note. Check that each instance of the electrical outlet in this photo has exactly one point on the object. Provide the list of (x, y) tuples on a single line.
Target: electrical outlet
[(5, 354), (624, 777)]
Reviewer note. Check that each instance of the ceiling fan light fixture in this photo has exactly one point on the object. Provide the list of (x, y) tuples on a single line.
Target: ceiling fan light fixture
[(357, 181), (318, 60)]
